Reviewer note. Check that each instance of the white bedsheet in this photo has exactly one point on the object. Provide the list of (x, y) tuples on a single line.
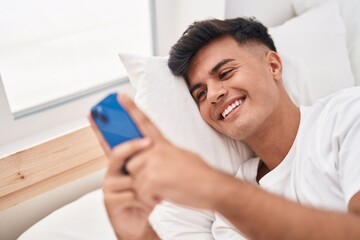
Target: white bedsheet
[(84, 218)]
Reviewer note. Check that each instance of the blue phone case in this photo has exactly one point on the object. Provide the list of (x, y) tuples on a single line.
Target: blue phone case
[(113, 121)]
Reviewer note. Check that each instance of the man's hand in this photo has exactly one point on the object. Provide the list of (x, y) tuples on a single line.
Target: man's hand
[(158, 170), (128, 216), (165, 171)]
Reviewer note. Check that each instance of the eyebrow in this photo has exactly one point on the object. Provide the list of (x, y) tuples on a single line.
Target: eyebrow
[(220, 64), (212, 72)]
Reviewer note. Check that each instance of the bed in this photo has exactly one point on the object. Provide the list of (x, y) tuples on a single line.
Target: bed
[(317, 41)]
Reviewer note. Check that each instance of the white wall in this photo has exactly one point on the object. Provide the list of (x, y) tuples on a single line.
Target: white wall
[(174, 16), (270, 13)]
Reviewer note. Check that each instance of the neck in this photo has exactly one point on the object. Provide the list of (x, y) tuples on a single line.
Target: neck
[(274, 140)]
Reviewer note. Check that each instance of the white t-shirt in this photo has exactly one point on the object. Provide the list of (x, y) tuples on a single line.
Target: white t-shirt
[(322, 168)]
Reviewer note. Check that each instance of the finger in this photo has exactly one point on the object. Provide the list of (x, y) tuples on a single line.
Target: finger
[(99, 136), (125, 151), (136, 164), (126, 199), (141, 120), (118, 184), (120, 198)]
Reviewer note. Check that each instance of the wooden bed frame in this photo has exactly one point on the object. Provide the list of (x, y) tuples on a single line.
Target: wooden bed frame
[(46, 166)]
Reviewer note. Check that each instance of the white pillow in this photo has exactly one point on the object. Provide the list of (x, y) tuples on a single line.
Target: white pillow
[(313, 48), (349, 10)]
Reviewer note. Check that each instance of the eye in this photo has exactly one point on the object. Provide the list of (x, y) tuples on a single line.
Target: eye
[(200, 95), (225, 73)]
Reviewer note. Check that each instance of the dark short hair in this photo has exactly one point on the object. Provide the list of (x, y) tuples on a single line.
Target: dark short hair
[(199, 34)]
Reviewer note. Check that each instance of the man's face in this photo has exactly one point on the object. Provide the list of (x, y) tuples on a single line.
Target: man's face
[(236, 86)]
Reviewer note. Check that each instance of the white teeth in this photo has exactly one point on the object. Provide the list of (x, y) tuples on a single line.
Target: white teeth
[(231, 107)]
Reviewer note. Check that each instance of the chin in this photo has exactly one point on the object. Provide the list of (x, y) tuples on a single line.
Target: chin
[(237, 133)]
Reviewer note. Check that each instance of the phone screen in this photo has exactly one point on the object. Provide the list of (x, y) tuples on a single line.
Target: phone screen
[(113, 121)]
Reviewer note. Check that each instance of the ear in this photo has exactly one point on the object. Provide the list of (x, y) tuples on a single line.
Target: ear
[(275, 64)]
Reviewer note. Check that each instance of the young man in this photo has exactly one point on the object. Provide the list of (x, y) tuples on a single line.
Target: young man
[(305, 182)]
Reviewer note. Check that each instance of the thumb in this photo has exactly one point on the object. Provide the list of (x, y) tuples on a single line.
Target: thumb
[(146, 127)]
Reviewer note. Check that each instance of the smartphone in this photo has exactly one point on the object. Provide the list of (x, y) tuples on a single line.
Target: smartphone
[(113, 121)]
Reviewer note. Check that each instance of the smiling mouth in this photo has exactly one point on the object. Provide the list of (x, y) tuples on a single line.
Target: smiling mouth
[(232, 107)]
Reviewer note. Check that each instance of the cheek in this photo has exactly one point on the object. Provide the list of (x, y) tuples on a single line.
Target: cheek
[(206, 115)]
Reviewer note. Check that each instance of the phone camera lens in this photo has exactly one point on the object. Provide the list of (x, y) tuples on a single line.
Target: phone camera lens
[(103, 118), (94, 114)]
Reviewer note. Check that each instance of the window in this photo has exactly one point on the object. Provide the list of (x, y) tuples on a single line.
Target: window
[(53, 53), (50, 50)]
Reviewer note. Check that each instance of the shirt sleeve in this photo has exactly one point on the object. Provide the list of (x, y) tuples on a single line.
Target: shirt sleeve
[(349, 151)]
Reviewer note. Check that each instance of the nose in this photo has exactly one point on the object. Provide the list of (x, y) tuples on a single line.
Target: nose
[(216, 92)]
